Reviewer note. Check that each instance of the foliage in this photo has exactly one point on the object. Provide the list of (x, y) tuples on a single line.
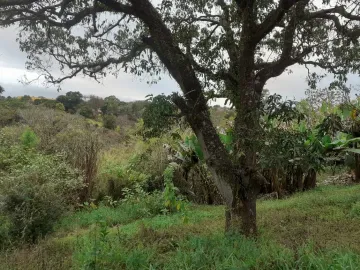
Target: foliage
[(81, 149), (7, 115), (109, 121), (228, 48), (95, 102), (111, 106), (159, 116), (71, 100), (29, 140), (35, 191), (114, 179), (137, 204), (9, 111), (86, 111), (172, 203), (297, 233), (355, 210), (285, 111), (49, 103), (5, 228)]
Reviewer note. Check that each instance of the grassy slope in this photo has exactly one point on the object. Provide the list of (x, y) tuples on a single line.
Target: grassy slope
[(314, 230)]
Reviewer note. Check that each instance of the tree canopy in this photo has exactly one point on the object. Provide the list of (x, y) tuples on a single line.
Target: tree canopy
[(71, 100)]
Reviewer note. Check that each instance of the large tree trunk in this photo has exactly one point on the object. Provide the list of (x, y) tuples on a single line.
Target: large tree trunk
[(242, 212), (238, 187), (241, 215)]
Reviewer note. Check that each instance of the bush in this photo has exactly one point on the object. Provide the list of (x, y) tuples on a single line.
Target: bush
[(113, 178), (7, 115), (47, 123), (137, 204), (86, 111), (109, 121), (29, 139), (35, 190), (81, 149)]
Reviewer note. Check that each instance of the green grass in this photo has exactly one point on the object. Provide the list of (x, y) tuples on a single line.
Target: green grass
[(319, 229)]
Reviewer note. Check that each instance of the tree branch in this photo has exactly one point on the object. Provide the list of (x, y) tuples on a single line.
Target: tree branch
[(325, 66), (274, 18), (10, 3)]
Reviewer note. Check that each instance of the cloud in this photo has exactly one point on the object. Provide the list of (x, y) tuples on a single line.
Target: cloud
[(32, 90), (126, 86)]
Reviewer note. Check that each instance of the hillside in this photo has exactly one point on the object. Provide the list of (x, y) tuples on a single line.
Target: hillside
[(314, 230)]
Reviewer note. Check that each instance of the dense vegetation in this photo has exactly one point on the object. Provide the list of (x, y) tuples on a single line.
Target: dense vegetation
[(215, 48), (178, 152), (86, 196)]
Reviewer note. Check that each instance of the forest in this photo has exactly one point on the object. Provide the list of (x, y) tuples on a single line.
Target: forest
[(172, 182)]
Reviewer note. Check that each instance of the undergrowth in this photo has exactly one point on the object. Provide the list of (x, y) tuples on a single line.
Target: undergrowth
[(313, 230)]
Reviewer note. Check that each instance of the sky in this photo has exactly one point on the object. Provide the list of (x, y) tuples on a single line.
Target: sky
[(126, 87)]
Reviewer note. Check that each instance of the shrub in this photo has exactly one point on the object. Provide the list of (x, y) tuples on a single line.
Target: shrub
[(109, 121), (47, 123), (29, 139), (7, 115), (35, 190), (81, 149), (86, 111), (114, 178), (137, 204)]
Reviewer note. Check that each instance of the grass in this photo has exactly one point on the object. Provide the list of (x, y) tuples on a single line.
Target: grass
[(319, 229)]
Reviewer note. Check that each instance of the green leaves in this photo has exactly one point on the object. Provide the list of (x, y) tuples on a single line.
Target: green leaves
[(29, 139), (193, 143), (352, 150), (228, 140), (159, 116), (172, 202)]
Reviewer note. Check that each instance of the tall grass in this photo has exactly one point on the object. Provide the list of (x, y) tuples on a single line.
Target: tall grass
[(312, 230)]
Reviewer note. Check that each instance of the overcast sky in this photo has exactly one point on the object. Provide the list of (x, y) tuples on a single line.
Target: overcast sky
[(126, 87)]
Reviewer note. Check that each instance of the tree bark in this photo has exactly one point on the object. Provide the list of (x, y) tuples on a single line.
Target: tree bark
[(310, 180), (241, 215), (357, 168), (298, 179)]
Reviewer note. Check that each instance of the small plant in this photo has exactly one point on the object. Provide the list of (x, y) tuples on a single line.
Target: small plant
[(99, 242), (29, 140), (109, 201), (172, 202)]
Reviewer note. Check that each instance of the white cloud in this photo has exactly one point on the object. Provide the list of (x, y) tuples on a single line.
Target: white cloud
[(126, 86)]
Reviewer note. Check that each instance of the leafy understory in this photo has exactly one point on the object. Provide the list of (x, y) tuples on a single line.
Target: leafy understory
[(314, 230)]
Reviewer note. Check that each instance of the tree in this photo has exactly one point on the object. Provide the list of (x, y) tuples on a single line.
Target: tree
[(226, 48), (158, 116), (109, 121), (95, 103), (71, 101), (86, 111), (2, 90), (111, 105)]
